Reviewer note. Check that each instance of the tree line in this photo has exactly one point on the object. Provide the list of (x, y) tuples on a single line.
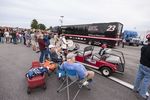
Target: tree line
[(36, 25)]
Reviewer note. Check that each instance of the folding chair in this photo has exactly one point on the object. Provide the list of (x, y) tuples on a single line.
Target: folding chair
[(87, 51), (71, 75)]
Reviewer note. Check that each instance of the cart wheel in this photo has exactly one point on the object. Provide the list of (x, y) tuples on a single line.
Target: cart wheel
[(44, 87), (106, 71), (28, 91), (49, 73)]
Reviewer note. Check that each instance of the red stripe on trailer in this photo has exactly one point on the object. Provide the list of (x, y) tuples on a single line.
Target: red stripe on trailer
[(104, 38)]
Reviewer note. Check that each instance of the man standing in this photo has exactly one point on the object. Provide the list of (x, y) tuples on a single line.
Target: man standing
[(47, 43), (42, 47), (24, 39), (143, 75), (14, 37), (2, 36), (64, 45)]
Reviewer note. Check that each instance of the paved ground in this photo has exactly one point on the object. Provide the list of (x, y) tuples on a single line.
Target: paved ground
[(15, 60)]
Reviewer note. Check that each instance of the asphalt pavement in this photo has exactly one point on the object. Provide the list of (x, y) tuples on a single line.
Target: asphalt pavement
[(15, 61)]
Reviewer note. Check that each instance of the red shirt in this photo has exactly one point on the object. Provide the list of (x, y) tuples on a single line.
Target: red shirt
[(42, 45)]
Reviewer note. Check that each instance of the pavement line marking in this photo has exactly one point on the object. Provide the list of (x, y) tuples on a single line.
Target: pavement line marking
[(126, 84)]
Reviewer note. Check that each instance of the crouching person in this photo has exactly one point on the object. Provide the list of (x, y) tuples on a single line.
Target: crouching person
[(83, 74), (54, 55)]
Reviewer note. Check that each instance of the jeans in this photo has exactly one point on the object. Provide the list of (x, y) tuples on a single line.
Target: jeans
[(142, 80), (20, 39), (2, 39), (14, 40), (42, 56), (47, 55), (24, 40)]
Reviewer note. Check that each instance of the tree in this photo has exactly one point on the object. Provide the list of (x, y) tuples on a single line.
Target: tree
[(41, 26), (34, 24), (50, 28)]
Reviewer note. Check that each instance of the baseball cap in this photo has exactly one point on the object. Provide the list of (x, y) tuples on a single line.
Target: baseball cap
[(71, 55), (51, 46)]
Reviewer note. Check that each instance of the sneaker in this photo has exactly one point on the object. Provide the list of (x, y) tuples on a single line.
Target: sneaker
[(147, 94), (135, 91), (85, 83)]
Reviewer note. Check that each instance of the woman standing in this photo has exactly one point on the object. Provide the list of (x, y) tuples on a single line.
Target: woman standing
[(6, 36)]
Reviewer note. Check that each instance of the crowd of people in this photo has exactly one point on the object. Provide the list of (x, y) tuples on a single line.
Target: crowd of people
[(10, 36), (15, 36)]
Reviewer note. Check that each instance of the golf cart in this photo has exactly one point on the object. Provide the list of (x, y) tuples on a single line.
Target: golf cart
[(110, 62)]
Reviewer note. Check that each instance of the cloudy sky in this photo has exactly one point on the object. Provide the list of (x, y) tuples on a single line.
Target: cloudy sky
[(134, 14)]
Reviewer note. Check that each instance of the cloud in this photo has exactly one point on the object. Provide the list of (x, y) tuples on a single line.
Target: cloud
[(131, 13)]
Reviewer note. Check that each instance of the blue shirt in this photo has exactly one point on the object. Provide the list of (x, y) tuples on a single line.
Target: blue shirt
[(81, 70), (47, 40)]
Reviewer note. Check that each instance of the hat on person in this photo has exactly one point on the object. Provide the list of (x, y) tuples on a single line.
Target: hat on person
[(71, 55), (51, 46)]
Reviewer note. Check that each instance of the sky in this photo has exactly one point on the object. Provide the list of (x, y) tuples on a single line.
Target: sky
[(133, 14)]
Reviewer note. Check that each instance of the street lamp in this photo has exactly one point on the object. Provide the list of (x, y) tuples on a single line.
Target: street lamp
[(61, 20)]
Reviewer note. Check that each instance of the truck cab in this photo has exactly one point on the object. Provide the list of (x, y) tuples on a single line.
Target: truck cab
[(131, 37)]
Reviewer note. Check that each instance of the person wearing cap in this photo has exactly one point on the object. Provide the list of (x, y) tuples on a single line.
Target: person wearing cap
[(81, 70), (142, 80), (54, 55)]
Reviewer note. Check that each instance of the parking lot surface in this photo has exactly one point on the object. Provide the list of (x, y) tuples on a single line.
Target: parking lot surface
[(15, 61)]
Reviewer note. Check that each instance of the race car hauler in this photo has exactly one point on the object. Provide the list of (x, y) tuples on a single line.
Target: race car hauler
[(96, 33)]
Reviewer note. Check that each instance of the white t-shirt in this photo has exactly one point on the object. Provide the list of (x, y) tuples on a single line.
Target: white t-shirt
[(6, 34), (64, 43)]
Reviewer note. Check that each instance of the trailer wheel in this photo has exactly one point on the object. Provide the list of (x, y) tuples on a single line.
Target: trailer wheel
[(106, 71), (44, 87)]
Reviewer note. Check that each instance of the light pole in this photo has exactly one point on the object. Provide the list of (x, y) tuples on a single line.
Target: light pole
[(61, 20)]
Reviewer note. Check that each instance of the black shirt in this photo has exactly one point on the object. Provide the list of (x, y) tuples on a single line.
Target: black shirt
[(1, 34), (145, 55)]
